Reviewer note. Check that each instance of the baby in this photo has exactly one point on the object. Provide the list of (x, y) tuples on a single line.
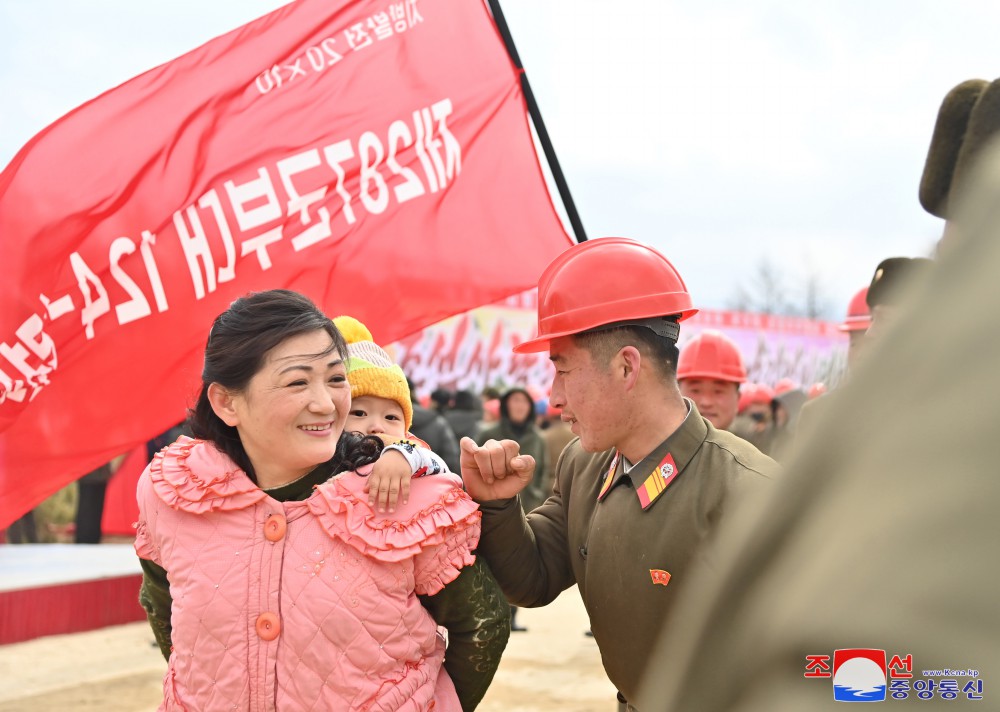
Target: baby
[(381, 406)]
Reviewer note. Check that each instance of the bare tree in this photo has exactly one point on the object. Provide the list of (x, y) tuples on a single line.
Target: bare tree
[(815, 302), (765, 293), (769, 291)]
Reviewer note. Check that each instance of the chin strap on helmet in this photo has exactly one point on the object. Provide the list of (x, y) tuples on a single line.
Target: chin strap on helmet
[(663, 326)]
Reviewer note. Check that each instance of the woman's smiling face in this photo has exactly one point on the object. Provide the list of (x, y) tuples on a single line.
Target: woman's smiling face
[(294, 409)]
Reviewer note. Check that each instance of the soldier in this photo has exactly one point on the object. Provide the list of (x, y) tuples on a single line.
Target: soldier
[(710, 371), (755, 423), (892, 281), (647, 480), (882, 531)]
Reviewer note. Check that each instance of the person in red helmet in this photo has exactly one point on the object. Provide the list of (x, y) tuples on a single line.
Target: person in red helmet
[(856, 324), (756, 421), (641, 489), (709, 372), (785, 385)]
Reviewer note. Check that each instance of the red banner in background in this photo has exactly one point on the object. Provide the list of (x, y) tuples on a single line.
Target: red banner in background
[(375, 156)]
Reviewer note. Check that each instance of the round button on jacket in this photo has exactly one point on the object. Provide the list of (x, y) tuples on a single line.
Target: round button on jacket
[(274, 527), (268, 626)]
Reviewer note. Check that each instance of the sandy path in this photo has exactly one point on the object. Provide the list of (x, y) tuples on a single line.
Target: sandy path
[(553, 666)]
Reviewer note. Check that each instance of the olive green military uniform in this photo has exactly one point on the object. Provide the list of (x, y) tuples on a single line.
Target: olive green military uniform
[(557, 436), (883, 531), (628, 561), (745, 427)]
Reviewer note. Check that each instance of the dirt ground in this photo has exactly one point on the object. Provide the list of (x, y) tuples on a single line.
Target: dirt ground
[(552, 666)]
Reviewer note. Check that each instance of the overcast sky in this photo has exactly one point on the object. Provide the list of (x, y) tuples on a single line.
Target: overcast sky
[(721, 132)]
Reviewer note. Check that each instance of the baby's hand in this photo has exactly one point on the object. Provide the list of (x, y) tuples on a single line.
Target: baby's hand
[(389, 481)]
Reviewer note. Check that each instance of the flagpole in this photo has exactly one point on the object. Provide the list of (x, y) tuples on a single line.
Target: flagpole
[(536, 119)]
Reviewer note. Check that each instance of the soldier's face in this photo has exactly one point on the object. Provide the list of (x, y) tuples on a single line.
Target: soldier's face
[(586, 393), (716, 400)]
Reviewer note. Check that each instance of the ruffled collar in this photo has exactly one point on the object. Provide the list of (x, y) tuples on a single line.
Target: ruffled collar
[(195, 476)]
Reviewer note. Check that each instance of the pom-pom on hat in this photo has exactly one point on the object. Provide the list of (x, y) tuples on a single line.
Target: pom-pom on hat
[(370, 371)]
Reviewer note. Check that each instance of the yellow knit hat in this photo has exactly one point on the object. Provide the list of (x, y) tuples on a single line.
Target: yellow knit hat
[(370, 371)]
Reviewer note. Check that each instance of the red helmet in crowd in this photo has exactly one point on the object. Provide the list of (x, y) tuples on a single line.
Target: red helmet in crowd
[(711, 354), (762, 394), (859, 318), (784, 386), (603, 281), (755, 393)]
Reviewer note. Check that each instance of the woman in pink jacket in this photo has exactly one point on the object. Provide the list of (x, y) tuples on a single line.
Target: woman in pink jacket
[(269, 579)]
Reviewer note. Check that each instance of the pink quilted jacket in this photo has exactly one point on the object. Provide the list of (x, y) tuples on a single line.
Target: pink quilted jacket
[(305, 605)]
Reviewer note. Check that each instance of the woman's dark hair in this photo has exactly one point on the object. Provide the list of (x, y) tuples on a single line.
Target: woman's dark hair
[(467, 400), (238, 343)]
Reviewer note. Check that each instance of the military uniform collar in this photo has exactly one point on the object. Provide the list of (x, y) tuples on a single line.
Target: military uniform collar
[(652, 475)]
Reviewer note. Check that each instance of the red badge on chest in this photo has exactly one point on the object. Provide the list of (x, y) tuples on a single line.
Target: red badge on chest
[(660, 576)]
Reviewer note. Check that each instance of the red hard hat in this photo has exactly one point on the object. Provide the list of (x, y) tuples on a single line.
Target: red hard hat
[(784, 386), (603, 281), (711, 354), (858, 316), (762, 393)]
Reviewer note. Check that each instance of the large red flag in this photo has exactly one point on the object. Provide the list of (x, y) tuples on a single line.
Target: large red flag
[(373, 155)]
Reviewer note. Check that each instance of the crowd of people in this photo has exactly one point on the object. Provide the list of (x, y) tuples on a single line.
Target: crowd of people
[(310, 462), (319, 538), (291, 437)]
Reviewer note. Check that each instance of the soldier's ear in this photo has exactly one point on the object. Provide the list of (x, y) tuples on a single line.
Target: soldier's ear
[(626, 364)]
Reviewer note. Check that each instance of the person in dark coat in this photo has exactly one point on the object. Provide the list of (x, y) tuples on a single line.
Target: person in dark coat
[(886, 516), (90, 502), (431, 427), (465, 414), (517, 422)]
